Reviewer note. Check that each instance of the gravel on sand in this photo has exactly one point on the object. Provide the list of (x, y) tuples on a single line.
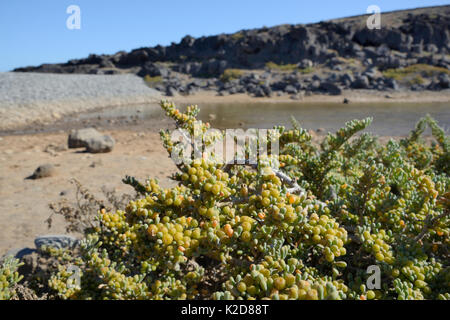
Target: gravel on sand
[(27, 98)]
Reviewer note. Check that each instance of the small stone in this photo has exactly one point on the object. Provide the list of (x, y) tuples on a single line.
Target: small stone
[(171, 92), (43, 171), (96, 163), (78, 138), (330, 88), (17, 253), (55, 148), (290, 89), (55, 241), (90, 139), (102, 145)]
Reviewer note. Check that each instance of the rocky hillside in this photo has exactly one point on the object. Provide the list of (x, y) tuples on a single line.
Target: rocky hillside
[(409, 52)]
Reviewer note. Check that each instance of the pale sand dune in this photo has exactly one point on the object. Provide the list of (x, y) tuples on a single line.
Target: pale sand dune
[(27, 98)]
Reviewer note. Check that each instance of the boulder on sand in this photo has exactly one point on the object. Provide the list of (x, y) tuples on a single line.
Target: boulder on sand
[(43, 171), (91, 139), (55, 241)]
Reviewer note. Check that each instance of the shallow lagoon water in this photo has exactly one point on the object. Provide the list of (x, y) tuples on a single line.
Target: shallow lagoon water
[(389, 119)]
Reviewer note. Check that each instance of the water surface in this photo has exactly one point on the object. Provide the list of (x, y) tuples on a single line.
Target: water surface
[(388, 118)]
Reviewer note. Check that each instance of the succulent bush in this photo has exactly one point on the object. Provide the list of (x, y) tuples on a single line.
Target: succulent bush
[(307, 230), (9, 277)]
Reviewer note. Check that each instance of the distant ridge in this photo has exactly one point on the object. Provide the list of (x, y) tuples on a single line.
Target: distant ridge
[(340, 53)]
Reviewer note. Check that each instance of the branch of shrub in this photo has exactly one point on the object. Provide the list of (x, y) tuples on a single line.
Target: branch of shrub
[(429, 222)]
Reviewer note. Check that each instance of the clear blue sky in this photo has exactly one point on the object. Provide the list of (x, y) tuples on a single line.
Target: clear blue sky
[(34, 32)]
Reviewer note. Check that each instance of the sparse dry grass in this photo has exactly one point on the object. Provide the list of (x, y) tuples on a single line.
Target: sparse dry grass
[(152, 80), (426, 70), (288, 67), (231, 74)]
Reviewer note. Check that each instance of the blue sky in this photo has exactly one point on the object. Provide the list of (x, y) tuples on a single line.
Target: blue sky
[(35, 32)]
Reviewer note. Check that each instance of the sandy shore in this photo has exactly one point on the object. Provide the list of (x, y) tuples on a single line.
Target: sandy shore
[(351, 95), (24, 204)]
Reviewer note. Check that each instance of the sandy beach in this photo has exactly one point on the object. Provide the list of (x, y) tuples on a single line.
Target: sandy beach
[(24, 204)]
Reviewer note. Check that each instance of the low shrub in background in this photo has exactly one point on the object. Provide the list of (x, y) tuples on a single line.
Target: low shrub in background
[(231, 74)]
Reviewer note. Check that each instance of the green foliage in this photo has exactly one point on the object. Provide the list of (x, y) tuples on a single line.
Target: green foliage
[(308, 230), (231, 74), (237, 36), (436, 158), (306, 70), (414, 71), (9, 277), (282, 67), (288, 67), (417, 80), (153, 80)]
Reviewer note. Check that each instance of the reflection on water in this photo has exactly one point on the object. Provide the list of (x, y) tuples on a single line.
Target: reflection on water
[(388, 118)]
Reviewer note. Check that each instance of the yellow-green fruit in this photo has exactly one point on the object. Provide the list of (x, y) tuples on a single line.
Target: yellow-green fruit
[(167, 239), (312, 294), (370, 295), (379, 256), (395, 273), (246, 236), (216, 189), (420, 284), (293, 293), (242, 287), (246, 226), (290, 280), (329, 257), (279, 283)]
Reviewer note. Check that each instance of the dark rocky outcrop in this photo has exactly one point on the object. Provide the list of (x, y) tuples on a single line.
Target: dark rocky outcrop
[(419, 36)]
